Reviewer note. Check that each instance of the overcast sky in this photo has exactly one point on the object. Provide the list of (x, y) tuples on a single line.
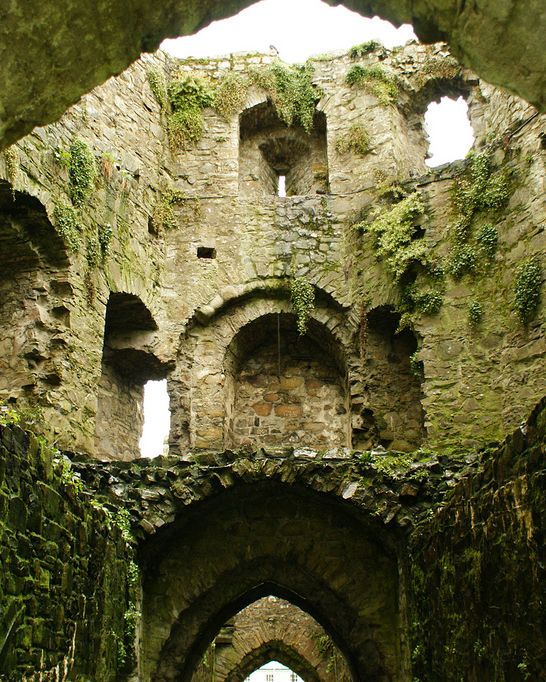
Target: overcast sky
[(299, 29)]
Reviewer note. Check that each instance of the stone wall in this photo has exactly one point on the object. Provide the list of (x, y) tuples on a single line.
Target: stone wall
[(64, 585), (478, 570), (256, 246)]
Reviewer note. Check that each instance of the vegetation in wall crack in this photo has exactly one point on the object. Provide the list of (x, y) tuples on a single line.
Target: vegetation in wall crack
[(66, 223), (158, 86), (527, 289), (11, 159), (188, 96), (376, 80), (356, 140), (291, 90), (230, 95), (105, 234), (108, 162), (82, 172), (302, 295), (477, 197), (165, 217), (365, 48), (475, 313), (394, 235)]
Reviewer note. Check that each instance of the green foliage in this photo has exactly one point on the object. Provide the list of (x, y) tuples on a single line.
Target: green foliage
[(122, 520), (187, 96), (356, 140), (393, 231), (230, 95), (463, 259), (527, 289), (82, 172), (376, 80), (92, 250), (416, 366), (69, 478), (475, 313), (164, 217), (480, 192), (11, 159), (363, 49), (488, 241), (302, 295), (291, 90), (67, 226), (426, 302), (105, 234), (158, 86)]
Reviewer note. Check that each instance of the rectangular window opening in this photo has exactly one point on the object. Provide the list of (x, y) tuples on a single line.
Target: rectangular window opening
[(206, 252), (281, 187)]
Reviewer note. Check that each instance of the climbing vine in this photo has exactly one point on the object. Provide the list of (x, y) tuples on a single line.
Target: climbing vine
[(81, 172), (356, 140), (302, 295), (230, 95), (188, 96), (66, 223), (527, 289), (158, 86), (376, 80)]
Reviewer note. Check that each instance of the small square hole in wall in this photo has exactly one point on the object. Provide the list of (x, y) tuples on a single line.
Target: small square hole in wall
[(206, 252)]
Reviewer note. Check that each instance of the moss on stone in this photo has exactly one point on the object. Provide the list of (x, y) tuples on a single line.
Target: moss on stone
[(356, 140), (82, 172), (66, 223), (376, 80), (230, 94), (527, 289)]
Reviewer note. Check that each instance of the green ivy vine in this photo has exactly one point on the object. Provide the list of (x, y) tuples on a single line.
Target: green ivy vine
[(302, 295)]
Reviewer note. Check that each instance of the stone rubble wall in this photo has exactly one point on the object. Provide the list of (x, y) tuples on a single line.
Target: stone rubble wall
[(260, 243), (64, 588)]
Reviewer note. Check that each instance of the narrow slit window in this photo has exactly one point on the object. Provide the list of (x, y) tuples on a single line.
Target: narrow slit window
[(281, 187)]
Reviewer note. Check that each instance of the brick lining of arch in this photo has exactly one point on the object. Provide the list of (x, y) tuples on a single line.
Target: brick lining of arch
[(276, 540), (198, 385)]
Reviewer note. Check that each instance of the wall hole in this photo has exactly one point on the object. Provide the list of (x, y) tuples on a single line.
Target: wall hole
[(206, 252), (449, 131), (157, 419), (281, 187), (273, 672)]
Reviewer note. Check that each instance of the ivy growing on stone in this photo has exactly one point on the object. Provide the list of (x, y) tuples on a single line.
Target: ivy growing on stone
[(475, 313), (82, 172), (11, 158), (527, 289), (66, 224), (188, 96), (376, 80), (291, 90), (302, 295), (158, 86), (230, 95), (356, 140)]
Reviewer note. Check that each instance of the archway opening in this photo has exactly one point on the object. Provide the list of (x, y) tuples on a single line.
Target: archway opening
[(127, 365), (285, 389), (272, 630)]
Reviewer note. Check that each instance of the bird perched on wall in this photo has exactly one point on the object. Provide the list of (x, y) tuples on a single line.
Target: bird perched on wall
[(273, 49)]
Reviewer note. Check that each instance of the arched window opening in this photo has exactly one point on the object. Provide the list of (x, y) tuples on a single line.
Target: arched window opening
[(449, 131), (281, 160), (157, 418), (283, 389), (127, 365)]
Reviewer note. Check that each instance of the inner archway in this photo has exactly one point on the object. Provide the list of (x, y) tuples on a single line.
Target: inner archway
[(284, 388), (283, 541)]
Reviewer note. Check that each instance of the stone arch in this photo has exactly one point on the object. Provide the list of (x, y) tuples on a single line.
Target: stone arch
[(198, 395), (35, 299), (283, 541), (269, 149), (273, 628), (128, 362), (273, 651)]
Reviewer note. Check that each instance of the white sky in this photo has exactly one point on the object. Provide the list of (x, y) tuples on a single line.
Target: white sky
[(299, 29)]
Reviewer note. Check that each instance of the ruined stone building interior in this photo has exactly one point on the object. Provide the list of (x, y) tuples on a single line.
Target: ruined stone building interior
[(352, 343)]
